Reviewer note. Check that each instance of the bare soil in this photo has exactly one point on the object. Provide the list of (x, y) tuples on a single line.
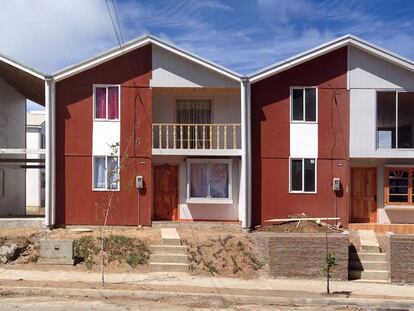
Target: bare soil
[(220, 251)]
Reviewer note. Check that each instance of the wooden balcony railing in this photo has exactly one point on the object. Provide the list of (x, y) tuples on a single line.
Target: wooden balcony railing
[(196, 136)]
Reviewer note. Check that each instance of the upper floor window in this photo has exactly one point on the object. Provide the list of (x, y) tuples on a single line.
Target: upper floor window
[(395, 120), (303, 104), (106, 102)]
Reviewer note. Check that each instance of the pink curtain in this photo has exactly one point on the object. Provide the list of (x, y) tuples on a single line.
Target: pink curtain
[(100, 103), (113, 105)]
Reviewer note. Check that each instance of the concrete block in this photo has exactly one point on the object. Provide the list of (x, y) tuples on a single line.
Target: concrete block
[(56, 252)]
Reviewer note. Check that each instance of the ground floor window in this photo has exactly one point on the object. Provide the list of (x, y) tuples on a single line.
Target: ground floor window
[(208, 179), (398, 186), (105, 173), (303, 175)]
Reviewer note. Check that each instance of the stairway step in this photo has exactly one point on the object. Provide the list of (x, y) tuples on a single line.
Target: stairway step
[(168, 267), (380, 257), (369, 265), (370, 249), (368, 275), (169, 258), (170, 241), (170, 236), (168, 249)]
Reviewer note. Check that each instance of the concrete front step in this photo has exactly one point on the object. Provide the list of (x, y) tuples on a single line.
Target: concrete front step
[(170, 236), (368, 265), (169, 258), (380, 257), (168, 267), (370, 249), (168, 249), (379, 275)]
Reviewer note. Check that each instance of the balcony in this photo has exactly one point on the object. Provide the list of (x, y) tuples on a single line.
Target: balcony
[(196, 139)]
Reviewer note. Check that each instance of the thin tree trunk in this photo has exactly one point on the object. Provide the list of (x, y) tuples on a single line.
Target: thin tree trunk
[(327, 283)]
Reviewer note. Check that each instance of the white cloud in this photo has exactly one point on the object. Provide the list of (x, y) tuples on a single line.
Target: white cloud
[(48, 34)]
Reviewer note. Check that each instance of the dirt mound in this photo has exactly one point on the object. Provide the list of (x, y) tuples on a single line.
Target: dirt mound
[(221, 252), (299, 226)]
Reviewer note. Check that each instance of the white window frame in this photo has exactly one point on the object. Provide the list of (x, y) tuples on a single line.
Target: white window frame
[(303, 175), (304, 103), (106, 173), (228, 200), (94, 102)]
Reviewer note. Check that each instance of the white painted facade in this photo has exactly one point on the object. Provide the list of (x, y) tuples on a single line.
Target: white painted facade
[(170, 70), (175, 78), (303, 140), (12, 135), (105, 135), (368, 74), (35, 138)]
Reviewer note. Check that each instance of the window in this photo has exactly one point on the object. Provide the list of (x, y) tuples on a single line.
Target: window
[(303, 175), (303, 104), (395, 120), (398, 188), (106, 173), (209, 179), (191, 111), (106, 102)]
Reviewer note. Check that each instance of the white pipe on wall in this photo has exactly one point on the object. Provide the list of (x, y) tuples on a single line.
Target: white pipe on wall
[(50, 153)]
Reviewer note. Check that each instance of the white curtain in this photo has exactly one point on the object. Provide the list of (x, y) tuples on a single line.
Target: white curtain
[(199, 180), (100, 174), (113, 173), (219, 178)]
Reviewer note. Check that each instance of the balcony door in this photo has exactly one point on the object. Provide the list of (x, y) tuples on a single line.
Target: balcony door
[(195, 115)]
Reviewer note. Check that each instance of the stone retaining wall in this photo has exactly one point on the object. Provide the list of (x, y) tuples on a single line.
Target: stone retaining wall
[(301, 255), (401, 257)]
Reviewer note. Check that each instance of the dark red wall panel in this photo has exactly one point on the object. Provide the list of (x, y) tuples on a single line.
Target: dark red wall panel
[(271, 140), (76, 203)]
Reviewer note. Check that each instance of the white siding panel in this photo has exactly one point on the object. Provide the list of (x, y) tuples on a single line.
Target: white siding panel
[(304, 140), (170, 70), (105, 134), (368, 71)]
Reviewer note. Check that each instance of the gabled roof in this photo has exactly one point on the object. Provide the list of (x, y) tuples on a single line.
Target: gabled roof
[(26, 80), (135, 44), (347, 40)]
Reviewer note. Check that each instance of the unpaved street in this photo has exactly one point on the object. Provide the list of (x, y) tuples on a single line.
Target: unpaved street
[(82, 304)]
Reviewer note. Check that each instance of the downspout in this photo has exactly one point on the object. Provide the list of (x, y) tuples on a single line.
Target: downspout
[(50, 152), (245, 158)]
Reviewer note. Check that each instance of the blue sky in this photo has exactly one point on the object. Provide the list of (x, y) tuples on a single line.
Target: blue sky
[(243, 35)]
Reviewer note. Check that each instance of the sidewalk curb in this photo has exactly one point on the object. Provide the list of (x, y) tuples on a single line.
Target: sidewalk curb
[(228, 298)]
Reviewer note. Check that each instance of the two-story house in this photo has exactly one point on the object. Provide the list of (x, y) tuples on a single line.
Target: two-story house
[(151, 131), (333, 135)]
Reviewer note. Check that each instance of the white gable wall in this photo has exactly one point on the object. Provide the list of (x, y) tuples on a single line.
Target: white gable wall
[(367, 75), (171, 70)]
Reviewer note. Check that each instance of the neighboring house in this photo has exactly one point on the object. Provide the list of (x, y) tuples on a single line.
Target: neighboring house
[(17, 83), (342, 110), (35, 176)]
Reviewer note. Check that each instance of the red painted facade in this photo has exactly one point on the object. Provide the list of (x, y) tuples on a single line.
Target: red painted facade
[(76, 203), (270, 106)]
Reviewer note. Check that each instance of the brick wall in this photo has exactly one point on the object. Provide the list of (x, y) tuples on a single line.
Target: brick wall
[(401, 258), (300, 255)]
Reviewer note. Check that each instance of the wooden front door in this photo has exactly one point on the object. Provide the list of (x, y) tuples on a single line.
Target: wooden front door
[(165, 192), (364, 194)]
